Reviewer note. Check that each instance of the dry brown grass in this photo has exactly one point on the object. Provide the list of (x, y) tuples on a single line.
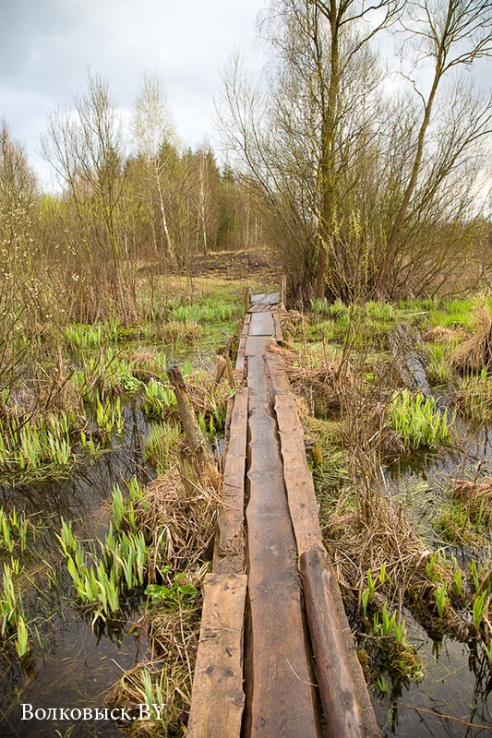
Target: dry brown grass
[(439, 334), (475, 496), (323, 389), (179, 516), (476, 352)]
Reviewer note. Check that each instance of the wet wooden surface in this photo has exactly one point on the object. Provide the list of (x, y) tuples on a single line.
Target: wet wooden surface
[(230, 542), (276, 667), (268, 527)]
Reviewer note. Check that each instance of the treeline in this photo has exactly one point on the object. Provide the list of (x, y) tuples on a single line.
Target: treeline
[(128, 201)]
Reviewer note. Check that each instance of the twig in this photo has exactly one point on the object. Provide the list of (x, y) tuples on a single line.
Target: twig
[(446, 717)]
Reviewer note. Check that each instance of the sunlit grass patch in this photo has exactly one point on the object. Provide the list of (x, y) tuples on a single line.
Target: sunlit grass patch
[(439, 370), (419, 421), (36, 448), (161, 446)]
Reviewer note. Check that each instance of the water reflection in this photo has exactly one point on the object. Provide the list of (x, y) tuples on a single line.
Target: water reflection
[(454, 694)]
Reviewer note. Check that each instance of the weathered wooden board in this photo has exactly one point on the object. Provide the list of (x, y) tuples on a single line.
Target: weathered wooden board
[(240, 359), (277, 665), (229, 553), (218, 699), (276, 371), (279, 334), (261, 324), (347, 707), (297, 477), (271, 298)]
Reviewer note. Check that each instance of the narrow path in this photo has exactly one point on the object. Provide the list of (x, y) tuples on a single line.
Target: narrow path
[(277, 667), (276, 657)]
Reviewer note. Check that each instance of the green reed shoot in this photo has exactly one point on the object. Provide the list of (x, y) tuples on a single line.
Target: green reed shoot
[(440, 597), (419, 421), (159, 400), (480, 607)]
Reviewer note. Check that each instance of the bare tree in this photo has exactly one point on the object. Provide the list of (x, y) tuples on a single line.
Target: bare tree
[(85, 146), (152, 127), (450, 34)]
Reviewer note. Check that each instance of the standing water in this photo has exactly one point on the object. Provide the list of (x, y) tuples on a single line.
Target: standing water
[(76, 662)]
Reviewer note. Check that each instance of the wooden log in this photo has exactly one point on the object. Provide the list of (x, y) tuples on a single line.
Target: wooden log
[(347, 707), (247, 299), (229, 551), (194, 436), (283, 292), (220, 368), (217, 701), (279, 334)]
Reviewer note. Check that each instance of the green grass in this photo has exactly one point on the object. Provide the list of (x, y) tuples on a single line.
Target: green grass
[(161, 444), (419, 421), (36, 448), (454, 314)]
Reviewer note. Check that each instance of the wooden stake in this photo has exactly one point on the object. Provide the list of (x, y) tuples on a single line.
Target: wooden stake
[(194, 436)]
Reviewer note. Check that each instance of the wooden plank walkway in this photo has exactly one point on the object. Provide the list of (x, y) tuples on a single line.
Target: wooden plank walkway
[(276, 657)]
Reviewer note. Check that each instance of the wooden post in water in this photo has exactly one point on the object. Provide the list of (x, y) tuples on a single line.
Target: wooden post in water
[(247, 299), (194, 436)]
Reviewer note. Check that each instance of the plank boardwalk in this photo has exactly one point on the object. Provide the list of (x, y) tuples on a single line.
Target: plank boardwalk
[(276, 657)]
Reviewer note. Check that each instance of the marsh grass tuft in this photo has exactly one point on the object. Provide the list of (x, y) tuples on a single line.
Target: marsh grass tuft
[(419, 421)]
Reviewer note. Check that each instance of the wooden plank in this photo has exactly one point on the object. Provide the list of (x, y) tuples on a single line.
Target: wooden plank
[(229, 553), (279, 695), (217, 701), (298, 479), (276, 370), (261, 324), (240, 359), (271, 298), (347, 707)]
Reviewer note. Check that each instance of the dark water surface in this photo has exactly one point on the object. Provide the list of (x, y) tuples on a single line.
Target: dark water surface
[(78, 663), (455, 696)]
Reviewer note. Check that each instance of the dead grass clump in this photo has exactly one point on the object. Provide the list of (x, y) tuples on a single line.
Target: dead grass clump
[(475, 497), (181, 523), (440, 334), (473, 399), (323, 389), (475, 354), (370, 533)]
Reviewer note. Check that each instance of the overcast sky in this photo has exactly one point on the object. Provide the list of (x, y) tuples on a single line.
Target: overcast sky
[(48, 46)]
